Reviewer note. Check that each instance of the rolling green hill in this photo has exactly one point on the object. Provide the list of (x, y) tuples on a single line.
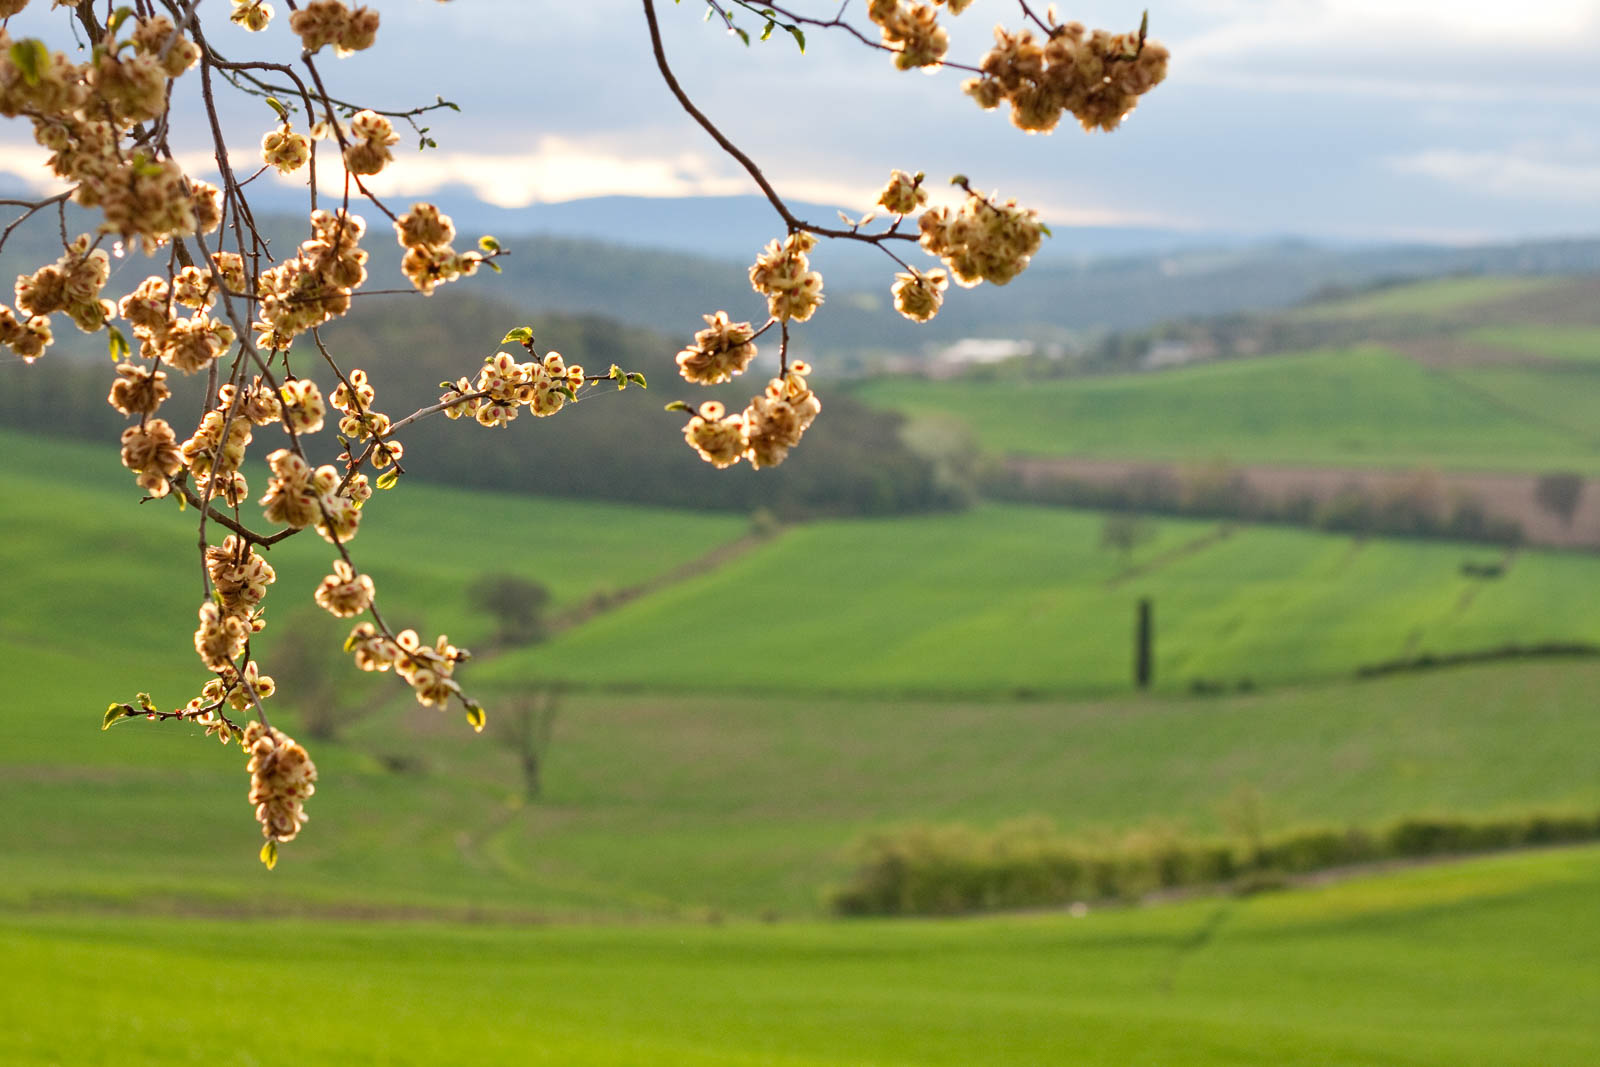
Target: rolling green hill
[(1360, 407), (746, 801), (1013, 600)]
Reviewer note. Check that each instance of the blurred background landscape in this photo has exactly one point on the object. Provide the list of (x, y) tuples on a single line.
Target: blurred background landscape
[(745, 726)]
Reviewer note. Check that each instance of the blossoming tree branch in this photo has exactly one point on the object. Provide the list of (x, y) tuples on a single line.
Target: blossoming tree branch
[(105, 101)]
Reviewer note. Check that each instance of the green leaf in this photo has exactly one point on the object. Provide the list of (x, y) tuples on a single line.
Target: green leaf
[(476, 717), (638, 379), (766, 31), (565, 389), (619, 376), (145, 702), (118, 17), (117, 344), (115, 714), (677, 405), (30, 57), (183, 505), (743, 36), (269, 854), (1045, 230), (520, 335), (277, 105), (488, 244), (388, 479), (492, 265), (799, 37)]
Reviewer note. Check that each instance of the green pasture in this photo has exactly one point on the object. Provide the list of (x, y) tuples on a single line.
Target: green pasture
[(1579, 344), (675, 806), (1358, 407), (105, 590), (745, 801), (1015, 601), (1434, 297), (1482, 962)]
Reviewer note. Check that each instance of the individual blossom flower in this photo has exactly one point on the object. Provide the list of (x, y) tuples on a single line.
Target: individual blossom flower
[(220, 638), (285, 149), (424, 227), (258, 404), (282, 776), (718, 438), (27, 339), (904, 194), (253, 15), (917, 295), (370, 648), (151, 451), (720, 351), (345, 593), (371, 137), (303, 410), (912, 31), (246, 689), (138, 390)]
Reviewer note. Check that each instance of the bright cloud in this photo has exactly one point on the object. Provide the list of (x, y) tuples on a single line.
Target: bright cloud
[(1506, 174)]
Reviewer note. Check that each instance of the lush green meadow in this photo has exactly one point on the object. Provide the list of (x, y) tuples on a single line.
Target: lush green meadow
[(1432, 297), (1579, 344), (731, 784), (1486, 962), (1358, 407), (1006, 601)]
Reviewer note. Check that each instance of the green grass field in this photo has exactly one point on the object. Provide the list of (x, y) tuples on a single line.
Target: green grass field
[(1433, 297), (1487, 962), (1357, 407), (1002, 601), (1580, 344)]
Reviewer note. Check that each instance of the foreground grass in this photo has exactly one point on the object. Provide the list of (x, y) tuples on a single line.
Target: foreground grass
[(1360, 407), (1486, 962)]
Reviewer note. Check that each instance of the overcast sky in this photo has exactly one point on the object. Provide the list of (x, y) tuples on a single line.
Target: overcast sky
[(1438, 119)]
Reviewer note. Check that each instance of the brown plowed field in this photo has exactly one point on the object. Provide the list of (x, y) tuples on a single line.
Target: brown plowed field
[(1503, 495)]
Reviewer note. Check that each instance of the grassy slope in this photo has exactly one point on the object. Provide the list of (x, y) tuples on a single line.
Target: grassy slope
[(1425, 298), (1006, 600), (105, 591), (659, 804), (1361, 407), (663, 805), (1488, 962), (1580, 344)]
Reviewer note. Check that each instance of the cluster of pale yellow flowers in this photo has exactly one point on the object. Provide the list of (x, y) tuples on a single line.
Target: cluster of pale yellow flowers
[(427, 669), (505, 386), (315, 286), (982, 241), (325, 22), (282, 776), (298, 496), (430, 260), (720, 351), (764, 431), (783, 274), (912, 30), (371, 135), (1097, 76)]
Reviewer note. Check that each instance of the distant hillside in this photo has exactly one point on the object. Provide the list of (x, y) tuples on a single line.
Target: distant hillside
[(1067, 299)]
